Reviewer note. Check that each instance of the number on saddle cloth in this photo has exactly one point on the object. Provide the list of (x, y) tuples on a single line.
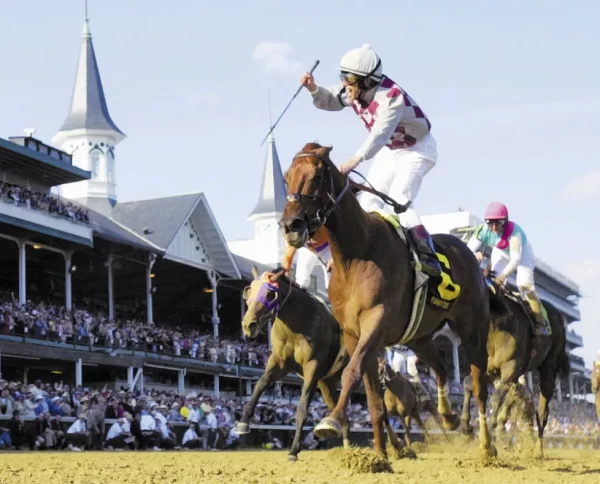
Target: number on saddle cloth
[(442, 291)]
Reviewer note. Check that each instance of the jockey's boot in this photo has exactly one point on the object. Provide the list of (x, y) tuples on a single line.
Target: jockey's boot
[(425, 250), (541, 325)]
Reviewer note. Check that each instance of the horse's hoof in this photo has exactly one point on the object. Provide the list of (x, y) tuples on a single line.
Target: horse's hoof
[(242, 428), (328, 428), (292, 458), (450, 421), (490, 452), (406, 453)]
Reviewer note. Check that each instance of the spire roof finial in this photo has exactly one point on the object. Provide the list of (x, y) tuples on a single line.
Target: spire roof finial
[(272, 196), (88, 104)]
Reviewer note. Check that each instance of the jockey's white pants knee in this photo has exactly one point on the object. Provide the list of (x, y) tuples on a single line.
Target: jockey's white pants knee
[(399, 174), (525, 280), (305, 263)]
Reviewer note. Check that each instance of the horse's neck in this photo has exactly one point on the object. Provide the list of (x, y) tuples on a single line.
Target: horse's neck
[(295, 313), (347, 228)]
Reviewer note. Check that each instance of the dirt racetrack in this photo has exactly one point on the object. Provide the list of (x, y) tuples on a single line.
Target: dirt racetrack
[(449, 464)]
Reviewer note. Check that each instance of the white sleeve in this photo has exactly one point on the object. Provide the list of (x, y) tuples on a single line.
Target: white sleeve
[(386, 121), (474, 243), (516, 250), (326, 98)]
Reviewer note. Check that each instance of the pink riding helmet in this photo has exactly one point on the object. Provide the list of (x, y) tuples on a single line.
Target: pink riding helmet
[(496, 211)]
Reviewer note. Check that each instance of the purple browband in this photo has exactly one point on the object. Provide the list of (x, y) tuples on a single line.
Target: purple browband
[(261, 297)]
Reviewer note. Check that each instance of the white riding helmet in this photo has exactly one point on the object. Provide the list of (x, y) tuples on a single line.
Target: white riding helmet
[(363, 62)]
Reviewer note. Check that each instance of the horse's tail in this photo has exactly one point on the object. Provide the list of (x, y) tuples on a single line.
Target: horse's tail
[(559, 332), (563, 364)]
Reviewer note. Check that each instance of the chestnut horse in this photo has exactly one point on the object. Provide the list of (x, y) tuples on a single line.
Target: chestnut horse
[(372, 290)]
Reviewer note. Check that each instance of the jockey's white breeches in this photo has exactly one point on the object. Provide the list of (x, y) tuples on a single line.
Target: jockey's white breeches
[(399, 173), (525, 280), (305, 263)]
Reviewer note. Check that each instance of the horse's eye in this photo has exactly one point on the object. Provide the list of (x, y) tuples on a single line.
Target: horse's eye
[(270, 296)]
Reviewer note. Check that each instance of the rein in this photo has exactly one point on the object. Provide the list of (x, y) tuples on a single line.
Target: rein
[(331, 200), (322, 214)]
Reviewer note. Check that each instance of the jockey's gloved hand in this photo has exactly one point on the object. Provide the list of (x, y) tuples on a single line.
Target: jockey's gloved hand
[(350, 165), (500, 279)]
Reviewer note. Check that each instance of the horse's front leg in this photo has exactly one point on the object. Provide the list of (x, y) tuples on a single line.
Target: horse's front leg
[(370, 320), (376, 407), (308, 389), (275, 370)]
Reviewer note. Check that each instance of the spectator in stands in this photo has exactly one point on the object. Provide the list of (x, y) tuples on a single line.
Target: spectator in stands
[(190, 438), (151, 437), (16, 427), (211, 421), (119, 435), (78, 436)]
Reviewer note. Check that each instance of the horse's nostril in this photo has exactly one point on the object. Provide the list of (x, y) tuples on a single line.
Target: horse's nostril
[(297, 225), (251, 327)]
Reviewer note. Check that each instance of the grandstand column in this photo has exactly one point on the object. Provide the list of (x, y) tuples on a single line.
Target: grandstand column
[(149, 266), (558, 390), (111, 299), (130, 378), (212, 275), (571, 393), (456, 363), (181, 381), (530, 381), (217, 385), (22, 272), (78, 372), (68, 289)]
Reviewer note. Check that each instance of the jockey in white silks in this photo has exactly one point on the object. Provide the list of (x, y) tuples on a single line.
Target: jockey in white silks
[(510, 250), (399, 141)]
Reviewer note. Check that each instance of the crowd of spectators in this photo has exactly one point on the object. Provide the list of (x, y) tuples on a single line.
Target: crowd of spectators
[(37, 200), (83, 327), (33, 417)]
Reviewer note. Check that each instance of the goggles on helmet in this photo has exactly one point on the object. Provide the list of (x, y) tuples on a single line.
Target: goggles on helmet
[(349, 77)]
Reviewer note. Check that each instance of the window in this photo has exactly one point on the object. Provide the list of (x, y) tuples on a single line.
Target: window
[(95, 156)]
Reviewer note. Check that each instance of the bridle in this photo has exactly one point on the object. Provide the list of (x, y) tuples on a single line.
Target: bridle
[(326, 197), (273, 306)]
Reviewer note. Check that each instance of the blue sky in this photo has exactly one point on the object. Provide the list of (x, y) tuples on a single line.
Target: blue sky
[(511, 88)]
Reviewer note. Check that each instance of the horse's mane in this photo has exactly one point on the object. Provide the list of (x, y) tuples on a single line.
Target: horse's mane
[(312, 147), (287, 280)]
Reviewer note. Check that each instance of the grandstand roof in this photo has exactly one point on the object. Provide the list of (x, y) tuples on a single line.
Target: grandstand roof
[(32, 159), (159, 220), (113, 230)]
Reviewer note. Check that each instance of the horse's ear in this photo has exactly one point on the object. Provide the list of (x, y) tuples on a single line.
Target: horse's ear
[(323, 151), (254, 271)]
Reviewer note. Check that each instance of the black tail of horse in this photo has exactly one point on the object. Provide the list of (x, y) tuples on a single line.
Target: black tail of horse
[(558, 328), (564, 364)]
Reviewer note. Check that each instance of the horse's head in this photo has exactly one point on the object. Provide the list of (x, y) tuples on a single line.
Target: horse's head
[(262, 299), (314, 187)]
